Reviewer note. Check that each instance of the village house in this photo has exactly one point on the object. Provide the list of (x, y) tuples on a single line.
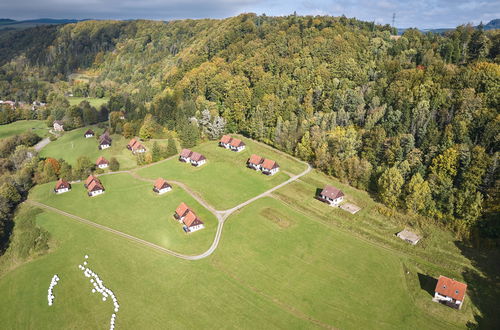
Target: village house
[(237, 145), (255, 162), (89, 180), (161, 186), (89, 133), (138, 148), (12, 104), (225, 141), (102, 162), (181, 211), (450, 292), (105, 141), (58, 126), (62, 186), (131, 143), (95, 188), (192, 223), (269, 167), (185, 155), (331, 195), (408, 236), (197, 159)]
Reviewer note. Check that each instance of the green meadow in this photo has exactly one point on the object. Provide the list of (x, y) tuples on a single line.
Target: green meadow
[(225, 181), (94, 101), (38, 127)]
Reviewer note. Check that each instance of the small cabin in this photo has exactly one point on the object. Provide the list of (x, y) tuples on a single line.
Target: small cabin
[(408, 236), (192, 223), (450, 292), (331, 196), (62, 186), (89, 133), (181, 211), (269, 167), (237, 145), (58, 126), (225, 141), (255, 162), (197, 159), (102, 162), (161, 186), (95, 188), (185, 155)]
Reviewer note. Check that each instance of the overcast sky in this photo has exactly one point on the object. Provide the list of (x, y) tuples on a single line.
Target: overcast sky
[(411, 13)]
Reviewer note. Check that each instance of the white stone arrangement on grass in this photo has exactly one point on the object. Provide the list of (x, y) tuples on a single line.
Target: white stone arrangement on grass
[(50, 294), (99, 287)]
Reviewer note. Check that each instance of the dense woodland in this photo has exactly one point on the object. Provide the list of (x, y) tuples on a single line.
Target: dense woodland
[(412, 119)]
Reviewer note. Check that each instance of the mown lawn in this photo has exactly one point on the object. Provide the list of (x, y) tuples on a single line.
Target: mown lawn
[(225, 181), (94, 101), (130, 206), (36, 126), (73, 144)]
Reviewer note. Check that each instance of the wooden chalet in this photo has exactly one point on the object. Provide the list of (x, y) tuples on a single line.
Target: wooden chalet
[(255, 162), (197, 159), (331, 196), (450, 292), (161, 186), (225, 141), (89, 133), (62, 186), (269, 167), (185, 155), (102, 162), (237, 145)]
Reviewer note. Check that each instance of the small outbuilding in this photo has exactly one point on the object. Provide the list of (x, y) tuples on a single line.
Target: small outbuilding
[(331, 195), (161, 186), (450, 292), (102, 162), (408, 236), (62, 186), (197, 159), (237, 145), (185, 155), (269, 167), (89, 133), (58, 126)]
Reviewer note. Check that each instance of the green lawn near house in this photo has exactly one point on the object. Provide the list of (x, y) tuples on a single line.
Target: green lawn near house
[(38, 127), (73, 144), (225, 181), (130, 206), (94, 101)]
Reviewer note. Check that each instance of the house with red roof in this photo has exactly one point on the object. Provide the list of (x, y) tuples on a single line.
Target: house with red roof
[(331, 195), (225, 141), (185, 155), (89, 180), (197, 159), (102, 162), (255, 162), (131, 143), (89, 133), (237, 145), (95, 188), (136, 147), (269, 167), (161, 186), (450, 292), (62, 186), (181, 211), (192, 223)]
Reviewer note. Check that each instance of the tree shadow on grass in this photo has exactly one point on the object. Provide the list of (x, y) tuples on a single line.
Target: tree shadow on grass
[(427, 283), (483, 285)]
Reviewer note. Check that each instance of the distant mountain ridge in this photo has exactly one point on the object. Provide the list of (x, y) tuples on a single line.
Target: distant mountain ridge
[(491, 25), (7, 24)]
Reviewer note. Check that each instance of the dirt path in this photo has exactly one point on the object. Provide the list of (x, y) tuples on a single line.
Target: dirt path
[(41, 144)]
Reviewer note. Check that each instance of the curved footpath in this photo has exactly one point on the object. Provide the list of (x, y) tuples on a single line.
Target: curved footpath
[(221, 215)]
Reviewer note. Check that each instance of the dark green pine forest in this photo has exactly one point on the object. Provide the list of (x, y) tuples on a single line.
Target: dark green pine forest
[(413, 119)]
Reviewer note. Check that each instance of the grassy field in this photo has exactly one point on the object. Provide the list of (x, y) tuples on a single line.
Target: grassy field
[(73, 144), (225, 181), (94, 101), (36, 126), (130, 206)]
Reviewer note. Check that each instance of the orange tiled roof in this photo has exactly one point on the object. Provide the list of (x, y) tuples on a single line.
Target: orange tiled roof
[(451, 288)]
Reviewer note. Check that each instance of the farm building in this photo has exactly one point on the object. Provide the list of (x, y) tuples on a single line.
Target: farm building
[(62, 186), (88, 134), (255, 162), (102, 162), (58, 126), (89, 180), (181, 211), (192, 223), (95, 188), (105, 141), (161, 186), (197, 159), (408, 236), (185, 155), (331, 195), (269, 167), (450, 292), (237, 145), (225, 141)]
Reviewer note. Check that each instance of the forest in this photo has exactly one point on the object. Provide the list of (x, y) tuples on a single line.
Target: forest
[(413, 119)]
